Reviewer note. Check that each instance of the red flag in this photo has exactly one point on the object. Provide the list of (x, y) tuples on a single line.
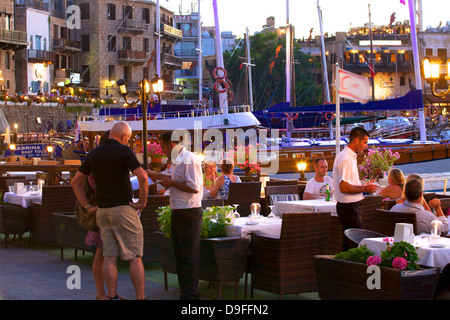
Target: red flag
[(372, 71), (271, 66), (392, 20), (240, 67), (277, 50), (353, 86), (192, 65)]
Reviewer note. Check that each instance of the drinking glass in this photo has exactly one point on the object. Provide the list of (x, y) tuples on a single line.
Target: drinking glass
[(271, 215), (236, 213)]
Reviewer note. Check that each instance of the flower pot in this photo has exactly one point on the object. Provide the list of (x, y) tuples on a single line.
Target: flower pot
[(221, 259), (156, 160), (345, 280)]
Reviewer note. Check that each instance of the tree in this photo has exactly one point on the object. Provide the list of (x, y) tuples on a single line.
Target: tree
[(268, 54)]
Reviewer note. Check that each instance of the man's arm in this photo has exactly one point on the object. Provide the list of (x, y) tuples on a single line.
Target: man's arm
[(77, 184), (307, 196), (346, 187)]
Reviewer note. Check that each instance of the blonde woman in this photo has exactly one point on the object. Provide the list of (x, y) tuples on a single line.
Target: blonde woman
[(418, 177), (394, 189)]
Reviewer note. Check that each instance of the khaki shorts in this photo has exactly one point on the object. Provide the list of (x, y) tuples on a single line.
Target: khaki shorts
[(121, 232)]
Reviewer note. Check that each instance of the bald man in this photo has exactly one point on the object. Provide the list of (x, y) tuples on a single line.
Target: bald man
[(117, 215)]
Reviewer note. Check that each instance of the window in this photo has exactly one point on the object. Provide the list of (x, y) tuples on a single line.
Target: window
[(84, 11), (428, 51), (7, 60), (112, 72), (127, 12), (38, 42), (111, 43), (85, 42), (402, 81), (442, 54), (111, 11), (126, 43), (146, 15)]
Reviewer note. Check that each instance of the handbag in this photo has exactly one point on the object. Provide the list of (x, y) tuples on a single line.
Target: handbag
[(85, 219)]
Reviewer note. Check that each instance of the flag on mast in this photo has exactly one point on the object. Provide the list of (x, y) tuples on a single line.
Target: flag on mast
[(353, 86)]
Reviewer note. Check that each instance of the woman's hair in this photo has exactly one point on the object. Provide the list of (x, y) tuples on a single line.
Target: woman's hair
[(397, 176), (227, 167), (416, 176)]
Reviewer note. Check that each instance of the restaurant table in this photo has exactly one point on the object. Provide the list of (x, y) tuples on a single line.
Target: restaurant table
[(318, 205), (54, 171), (22, 199), (244, 227), (428, 255)]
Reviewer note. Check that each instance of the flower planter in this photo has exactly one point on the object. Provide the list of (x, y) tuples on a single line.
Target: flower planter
[(221, 259), (345, 280)]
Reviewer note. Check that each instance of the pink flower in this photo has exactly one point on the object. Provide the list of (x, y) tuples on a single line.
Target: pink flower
[(373, 260), (399, 263), (387, 239)]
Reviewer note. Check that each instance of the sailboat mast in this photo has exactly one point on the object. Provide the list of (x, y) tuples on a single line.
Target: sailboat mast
[(249, 71), (200, 55), (288, 57), (324, 60), (223, 103)]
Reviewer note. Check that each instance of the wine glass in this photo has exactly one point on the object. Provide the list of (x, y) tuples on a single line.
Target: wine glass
[(30, 188), (236, 213), (271, 215)]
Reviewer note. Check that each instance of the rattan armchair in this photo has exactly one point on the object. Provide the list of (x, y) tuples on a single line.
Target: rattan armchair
[(286, 265), (212, 203), (386, 221), (59, 198), (4, 182), (150, 225), (244, 194), (271, 192), (14, 220), (354, 236), (369, 205)]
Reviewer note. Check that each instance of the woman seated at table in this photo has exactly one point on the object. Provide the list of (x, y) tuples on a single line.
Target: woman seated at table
[(394, 189), (222, 183), (210, 175), (403, 197)]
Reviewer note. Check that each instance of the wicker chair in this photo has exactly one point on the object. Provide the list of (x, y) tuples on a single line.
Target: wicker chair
[(4, 182), (388, 204), (286, 265), (244, 194), (273, 191), (279, 182), (354, 236), (212, 202), (54, 199), (386, 221), (429, 196), (14, 220), (150, 225), (369, 205)]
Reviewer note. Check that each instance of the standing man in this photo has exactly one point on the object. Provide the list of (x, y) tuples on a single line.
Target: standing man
[(185, 183), (316, 187), (117, 216), (348, 190)]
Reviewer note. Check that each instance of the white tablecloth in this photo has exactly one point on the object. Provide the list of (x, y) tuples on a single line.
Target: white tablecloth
[(266, 227), (281, 207), (429, 256), (23, 200)]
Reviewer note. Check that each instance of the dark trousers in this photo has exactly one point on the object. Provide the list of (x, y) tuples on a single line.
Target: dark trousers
[(350, 216), (186, 226)]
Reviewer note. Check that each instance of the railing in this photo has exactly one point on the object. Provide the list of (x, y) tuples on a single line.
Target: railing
[(35, 4), (171, 31), (131, 54), (41, 55), (13, 35), (172, 60), (134, 24), (62, 44)]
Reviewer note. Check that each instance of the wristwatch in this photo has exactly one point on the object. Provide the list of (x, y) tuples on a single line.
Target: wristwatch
[(87, 206)]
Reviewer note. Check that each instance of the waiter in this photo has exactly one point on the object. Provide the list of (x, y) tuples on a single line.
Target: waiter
[(348, 190)]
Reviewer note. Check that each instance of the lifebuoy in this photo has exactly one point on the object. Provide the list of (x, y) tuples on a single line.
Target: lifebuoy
[(290, 117), (198, 104), (224, 84), (432, 111), (215, 73), (230, 95), (329, 116)]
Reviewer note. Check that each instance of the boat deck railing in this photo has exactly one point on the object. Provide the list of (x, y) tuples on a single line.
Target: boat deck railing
[(393, 131), (108, 114)]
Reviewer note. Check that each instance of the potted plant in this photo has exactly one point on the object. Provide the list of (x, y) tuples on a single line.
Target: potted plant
[(376, 162), (155, 152), (222, 258), (245, 158), (358, 274)]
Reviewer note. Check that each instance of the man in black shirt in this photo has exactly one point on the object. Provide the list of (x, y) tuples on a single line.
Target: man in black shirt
[(117, 215)]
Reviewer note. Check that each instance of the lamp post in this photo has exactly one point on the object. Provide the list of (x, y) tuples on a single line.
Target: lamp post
[(431, 66), (155, 87), (50, 152)]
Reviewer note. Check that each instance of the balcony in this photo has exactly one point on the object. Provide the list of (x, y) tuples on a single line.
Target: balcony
[(171, 61), (133, 26), (170, 32), (130, 57), (41, 56), (66, 45), (35, 4), (379, 67), (13, 40)]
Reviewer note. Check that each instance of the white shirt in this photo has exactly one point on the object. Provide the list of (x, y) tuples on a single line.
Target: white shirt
[(317, 189), (345, 168), (187, 169)]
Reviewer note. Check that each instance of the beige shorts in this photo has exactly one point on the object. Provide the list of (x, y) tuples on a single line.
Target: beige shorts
[(121, 231)]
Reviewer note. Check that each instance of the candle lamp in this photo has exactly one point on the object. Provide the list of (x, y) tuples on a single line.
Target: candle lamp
[(435, 229), (255, 210)]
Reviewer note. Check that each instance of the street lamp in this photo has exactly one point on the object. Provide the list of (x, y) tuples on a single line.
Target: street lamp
[(146, 95), (301, 166), (431, 66), (12, 147), (50, 151)]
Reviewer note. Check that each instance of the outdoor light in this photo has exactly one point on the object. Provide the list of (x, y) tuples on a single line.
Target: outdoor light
[(156, 87), (301, 166), (431, 66), (12, 147), (50, 151)]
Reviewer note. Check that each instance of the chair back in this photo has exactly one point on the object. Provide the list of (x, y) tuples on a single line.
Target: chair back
[(354, 236), (386, 221), (150, 225), (306, 228), (206, 203), (388, 204), (244, 194), (369, 205), (279, 182), (280, 193), (429, 196)]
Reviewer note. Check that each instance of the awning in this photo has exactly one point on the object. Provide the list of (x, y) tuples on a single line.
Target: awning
[(350, 120)]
